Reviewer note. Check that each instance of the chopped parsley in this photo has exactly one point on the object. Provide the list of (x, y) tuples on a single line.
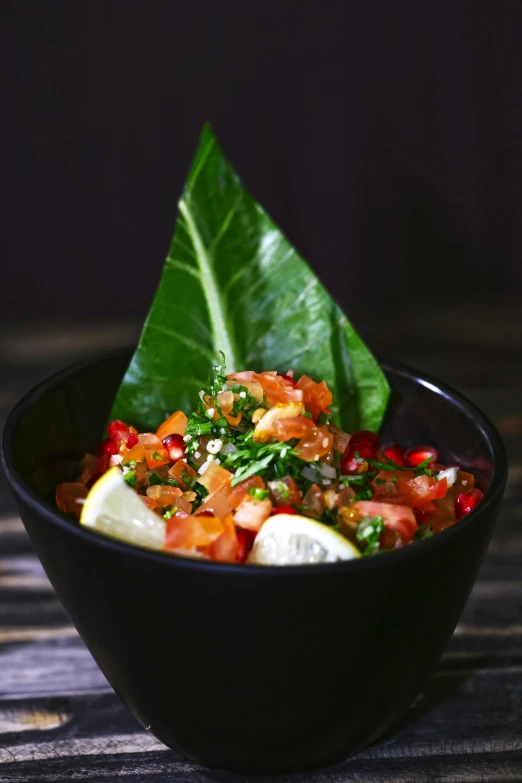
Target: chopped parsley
[(258, 494), (368, 533), (130, 477), (424, 531)]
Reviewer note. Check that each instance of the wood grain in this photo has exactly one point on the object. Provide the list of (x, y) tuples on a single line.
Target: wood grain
[(60, 720)]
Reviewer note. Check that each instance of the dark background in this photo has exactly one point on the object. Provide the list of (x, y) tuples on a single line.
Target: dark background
[(383, 137)]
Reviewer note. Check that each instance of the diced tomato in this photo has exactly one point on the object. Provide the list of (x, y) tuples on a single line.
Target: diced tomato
[(192, 531), (265, 427), (219, 502), (396, 517), (424, 511), (283, 510), (293, 427), (136, 454), (176, 424), (156, 458), (240, 377), (225, 401), (422, 489), (276, 390), (233, 420), (245, 541), (225, 548), (241, 490), (467, 480), (315, 444), (313, 502), (69, 496), (392, 539), (467, 501), (164, 495), (285, 492), (214, 477), (181, 467), (414, 457), (251, 513), (317, 397)]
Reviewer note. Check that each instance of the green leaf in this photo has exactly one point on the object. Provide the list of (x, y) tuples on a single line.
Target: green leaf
[(232, 282)]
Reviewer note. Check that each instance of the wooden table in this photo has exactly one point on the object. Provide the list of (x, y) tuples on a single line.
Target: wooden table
[(60, 720)]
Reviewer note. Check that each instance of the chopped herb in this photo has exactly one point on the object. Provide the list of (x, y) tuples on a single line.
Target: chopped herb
[(283, 490), (422, 466), (425, 531), (363, 494), (307, 414), (130, 478), (380, 481), (368, 533), (390, 465), (154, 479), (258, 494), (158, 457), (131, 464), (359, 478), (170, 512), (252, 469)]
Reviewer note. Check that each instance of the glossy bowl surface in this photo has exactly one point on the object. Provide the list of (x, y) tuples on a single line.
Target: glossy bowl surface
[(248, 668)]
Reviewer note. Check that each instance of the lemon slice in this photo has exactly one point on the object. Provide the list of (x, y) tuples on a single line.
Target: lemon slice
[(113, 508), (290, 539)]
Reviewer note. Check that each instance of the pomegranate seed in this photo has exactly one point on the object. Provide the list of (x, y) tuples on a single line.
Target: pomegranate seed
[(467, 501), (132, 440), (289, 381), (175, 446), (107, 447), (422, 514), (245, 541), (414, 457), (394, 452), (116, 426), (366, 444), (364, 437), (283, 510)]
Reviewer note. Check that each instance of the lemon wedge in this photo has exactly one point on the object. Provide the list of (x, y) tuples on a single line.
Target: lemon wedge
[(291, 539), (114, 509)]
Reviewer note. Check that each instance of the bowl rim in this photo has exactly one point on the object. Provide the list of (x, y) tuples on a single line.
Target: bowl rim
[(65, 523)]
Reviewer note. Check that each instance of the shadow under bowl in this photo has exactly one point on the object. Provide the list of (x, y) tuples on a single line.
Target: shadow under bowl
[(252, 669)]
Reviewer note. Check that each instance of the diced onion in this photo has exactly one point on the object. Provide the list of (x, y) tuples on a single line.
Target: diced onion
[(327, 470), (309, 473)]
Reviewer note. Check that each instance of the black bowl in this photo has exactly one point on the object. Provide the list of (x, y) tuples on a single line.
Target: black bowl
[(249, 668)]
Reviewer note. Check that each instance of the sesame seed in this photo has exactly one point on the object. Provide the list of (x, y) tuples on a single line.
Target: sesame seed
[(317, 457), (242, 394), (197, 454), (210, 412), (283, 453), (187, 438)]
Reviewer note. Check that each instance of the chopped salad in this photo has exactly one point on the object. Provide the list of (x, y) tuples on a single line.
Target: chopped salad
[(260, 446)]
